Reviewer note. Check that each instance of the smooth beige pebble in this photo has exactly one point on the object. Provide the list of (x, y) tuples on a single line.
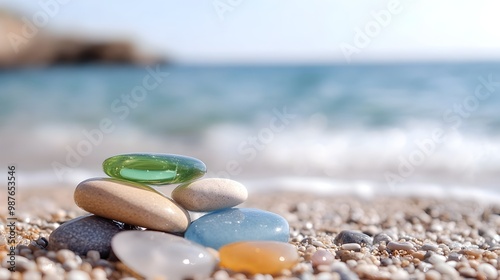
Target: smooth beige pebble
[(210, 194), (131, 203)]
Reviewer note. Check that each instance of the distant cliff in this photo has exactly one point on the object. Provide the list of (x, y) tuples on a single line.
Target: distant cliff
[(23, 44)]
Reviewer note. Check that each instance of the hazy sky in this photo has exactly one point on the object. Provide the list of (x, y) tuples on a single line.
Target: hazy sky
[(287, 30)]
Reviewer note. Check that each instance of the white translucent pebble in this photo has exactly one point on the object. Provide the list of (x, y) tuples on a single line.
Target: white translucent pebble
[(77, 275), (157, 254), (445, 269), (436, 258), (98, 274), (400, 275), (4, 273), (351, 246), (488, 270), (32, 275)]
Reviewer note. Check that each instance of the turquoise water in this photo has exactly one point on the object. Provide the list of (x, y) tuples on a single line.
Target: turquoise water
[(191, 99), (348, 123)]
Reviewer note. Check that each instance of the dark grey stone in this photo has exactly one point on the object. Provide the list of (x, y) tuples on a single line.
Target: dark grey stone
[(85, 233), (454, 256), (343, 271), (347, 275), (352, 236), (378, 238)]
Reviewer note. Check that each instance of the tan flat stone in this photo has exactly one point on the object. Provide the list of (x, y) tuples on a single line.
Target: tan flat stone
[(131, 203)]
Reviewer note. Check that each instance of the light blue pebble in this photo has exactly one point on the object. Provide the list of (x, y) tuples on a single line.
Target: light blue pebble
[(226, 226)]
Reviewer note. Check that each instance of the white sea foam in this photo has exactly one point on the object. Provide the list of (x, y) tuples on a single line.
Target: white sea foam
[(301, 157), (314, 185)]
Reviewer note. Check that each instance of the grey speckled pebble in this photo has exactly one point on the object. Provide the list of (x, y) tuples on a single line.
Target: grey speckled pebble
[(378, 238), (83, 234), (210, 194), (352, 236), (454, 256), (429, 247)]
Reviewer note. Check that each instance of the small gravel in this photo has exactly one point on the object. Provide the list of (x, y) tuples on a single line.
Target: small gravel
[(352, 236), (429, 247), (381, 237), (351, 246), (322, 257), (406, 246), (435, 258), (336, 237), (4, 273), (488, 271), (447, 271)]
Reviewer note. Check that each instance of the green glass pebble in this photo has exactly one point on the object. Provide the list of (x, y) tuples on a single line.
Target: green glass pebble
[(154, 169)]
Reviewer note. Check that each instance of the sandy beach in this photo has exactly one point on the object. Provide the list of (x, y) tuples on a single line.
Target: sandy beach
[(413, 238), (362, 140)]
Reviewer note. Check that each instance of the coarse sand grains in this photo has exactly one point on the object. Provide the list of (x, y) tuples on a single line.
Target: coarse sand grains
[(404, 238)]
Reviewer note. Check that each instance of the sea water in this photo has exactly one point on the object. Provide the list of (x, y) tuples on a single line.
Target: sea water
[(421, 129)]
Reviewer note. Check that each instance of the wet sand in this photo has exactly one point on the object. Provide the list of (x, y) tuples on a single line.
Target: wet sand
[(414, 238)]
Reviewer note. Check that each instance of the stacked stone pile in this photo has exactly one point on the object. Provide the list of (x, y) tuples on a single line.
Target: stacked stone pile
[(153, 235)]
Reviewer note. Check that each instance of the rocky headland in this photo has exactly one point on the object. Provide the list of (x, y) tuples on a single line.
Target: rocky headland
[(24, 44)]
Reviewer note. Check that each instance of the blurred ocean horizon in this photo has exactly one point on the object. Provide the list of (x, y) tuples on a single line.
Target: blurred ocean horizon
[(400, 128)]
